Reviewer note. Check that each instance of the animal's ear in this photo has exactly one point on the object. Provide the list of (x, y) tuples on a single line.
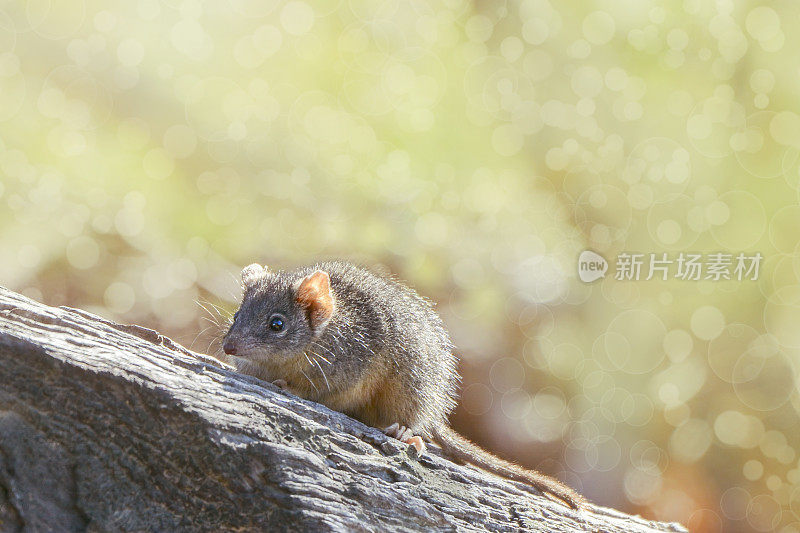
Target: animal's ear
[(314, 294), (252, 273)]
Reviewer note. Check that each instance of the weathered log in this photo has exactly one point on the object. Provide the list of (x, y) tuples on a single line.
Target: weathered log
[(107, 427)]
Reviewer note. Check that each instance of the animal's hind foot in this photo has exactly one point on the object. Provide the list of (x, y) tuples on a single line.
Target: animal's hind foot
[(405, 434)]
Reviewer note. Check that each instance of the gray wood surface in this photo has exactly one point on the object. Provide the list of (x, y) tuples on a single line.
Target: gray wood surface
[(106, 427)]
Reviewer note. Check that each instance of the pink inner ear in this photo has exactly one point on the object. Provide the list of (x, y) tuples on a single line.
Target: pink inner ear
[(314, 293)]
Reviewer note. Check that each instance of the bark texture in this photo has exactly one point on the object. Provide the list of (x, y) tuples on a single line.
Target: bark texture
[(107, 427)]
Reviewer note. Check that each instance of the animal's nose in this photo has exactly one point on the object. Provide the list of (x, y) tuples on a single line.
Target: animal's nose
[(230, 347)]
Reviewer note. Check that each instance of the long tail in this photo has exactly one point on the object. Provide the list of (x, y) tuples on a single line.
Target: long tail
[(459, 448)]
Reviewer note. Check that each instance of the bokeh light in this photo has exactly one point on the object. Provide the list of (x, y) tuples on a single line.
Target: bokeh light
[(150, 149)]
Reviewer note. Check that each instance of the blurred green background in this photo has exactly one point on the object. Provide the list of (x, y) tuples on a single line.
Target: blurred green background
[(150, 149)]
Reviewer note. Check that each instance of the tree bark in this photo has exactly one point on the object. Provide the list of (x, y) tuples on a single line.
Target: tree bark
[(107, 427)]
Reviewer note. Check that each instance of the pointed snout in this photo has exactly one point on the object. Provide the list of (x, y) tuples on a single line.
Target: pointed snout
[(229, 346)]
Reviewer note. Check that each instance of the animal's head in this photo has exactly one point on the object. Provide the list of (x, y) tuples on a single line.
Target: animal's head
[(280, 314)]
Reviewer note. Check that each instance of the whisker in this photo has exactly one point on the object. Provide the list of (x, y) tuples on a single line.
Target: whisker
[(333, 355), (309, 380), (213, 318), (217, 351), (224, 314), (216, 311), (312, 364), (202, 331), (200, 303), (321, 371), (218, 307), (312, 352), (211, 321), (215, 340)]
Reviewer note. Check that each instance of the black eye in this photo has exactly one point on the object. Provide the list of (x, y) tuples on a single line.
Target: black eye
[(276, 323)]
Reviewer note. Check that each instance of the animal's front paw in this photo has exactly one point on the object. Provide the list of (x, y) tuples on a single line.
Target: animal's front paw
[(405, 434), (281, 384)]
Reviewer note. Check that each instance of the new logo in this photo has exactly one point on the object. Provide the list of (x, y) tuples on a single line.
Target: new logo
[(591, 266)]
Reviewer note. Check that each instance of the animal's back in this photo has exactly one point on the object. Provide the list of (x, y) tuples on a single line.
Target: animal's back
[(406, 332)]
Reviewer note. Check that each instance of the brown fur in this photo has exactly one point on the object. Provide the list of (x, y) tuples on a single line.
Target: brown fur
[(457, 447), (364, 345)]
